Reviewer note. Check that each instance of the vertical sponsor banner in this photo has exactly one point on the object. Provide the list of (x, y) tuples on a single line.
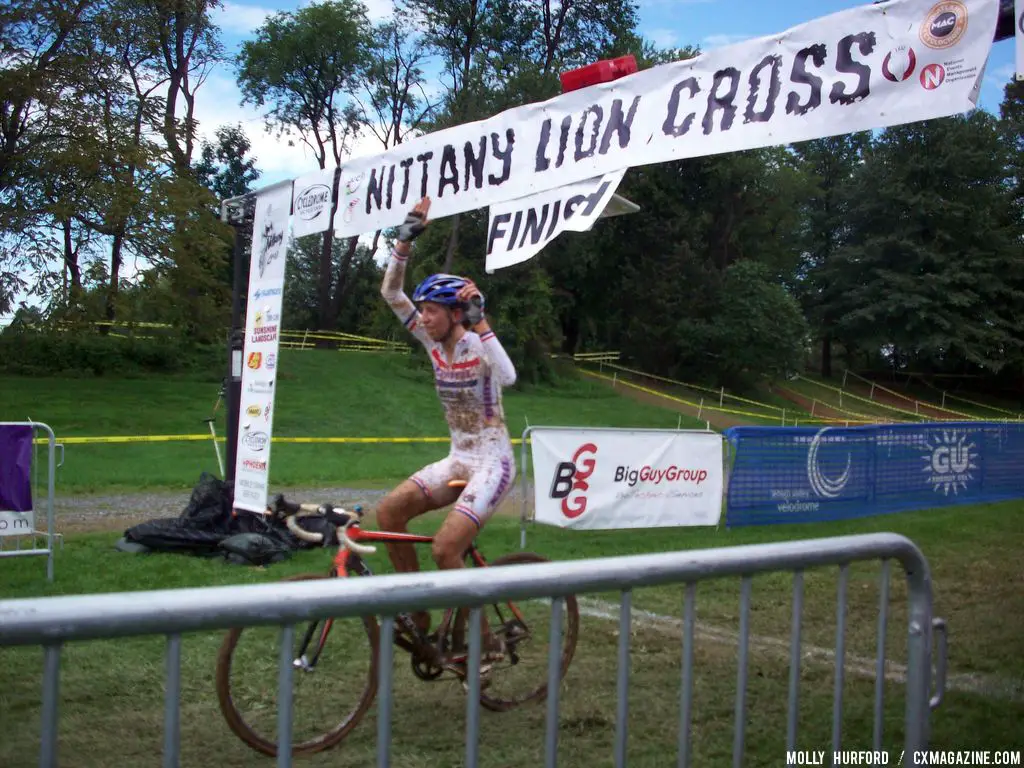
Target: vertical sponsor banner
[(606, 478), (259, 368), (519, 229), (312, 201), (1018, 36)]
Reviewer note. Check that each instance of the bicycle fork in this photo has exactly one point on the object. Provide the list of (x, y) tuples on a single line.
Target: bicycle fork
[(303, 662)]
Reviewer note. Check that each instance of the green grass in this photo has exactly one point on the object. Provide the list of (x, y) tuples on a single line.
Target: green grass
[(113, 689), (320, 394), (714, 406)]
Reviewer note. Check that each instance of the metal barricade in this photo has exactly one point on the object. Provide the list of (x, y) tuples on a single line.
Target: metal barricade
[(22, 526), (53, 621)]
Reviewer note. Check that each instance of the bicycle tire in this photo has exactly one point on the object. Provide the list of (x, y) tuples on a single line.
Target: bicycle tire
[(569, 639), (235, 720)]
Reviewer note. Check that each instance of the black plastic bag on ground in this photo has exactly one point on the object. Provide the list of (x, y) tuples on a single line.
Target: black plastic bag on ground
[(172, 534), (207, 523), (210, 504), (254, 549)]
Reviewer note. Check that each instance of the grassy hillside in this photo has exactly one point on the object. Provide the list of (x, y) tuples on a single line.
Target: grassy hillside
[(320, 394)]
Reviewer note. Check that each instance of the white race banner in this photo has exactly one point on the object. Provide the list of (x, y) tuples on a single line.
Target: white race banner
[(864, 68), (16, 523), (312, 200), (607, 478), (519, 229), (259, 370), (1018, 36)]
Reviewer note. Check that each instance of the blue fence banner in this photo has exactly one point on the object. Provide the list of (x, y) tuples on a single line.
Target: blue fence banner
[(815, 474)]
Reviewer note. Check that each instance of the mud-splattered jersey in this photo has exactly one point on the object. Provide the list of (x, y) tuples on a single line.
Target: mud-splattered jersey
[(469, 385)]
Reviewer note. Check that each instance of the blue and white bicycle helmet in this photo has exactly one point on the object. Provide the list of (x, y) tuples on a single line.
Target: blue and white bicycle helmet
[(440, 289)]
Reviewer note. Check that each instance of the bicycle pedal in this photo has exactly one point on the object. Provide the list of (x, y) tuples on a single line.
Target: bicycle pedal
[(485, 678)]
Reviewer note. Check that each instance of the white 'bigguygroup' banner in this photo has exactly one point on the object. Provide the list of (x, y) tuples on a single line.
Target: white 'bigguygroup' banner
[(605, 478), (519, 229), (259, 361), (868, 67)]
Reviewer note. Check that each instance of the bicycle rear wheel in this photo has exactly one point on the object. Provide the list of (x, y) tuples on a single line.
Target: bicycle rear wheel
[(525, 626), (328, 700)]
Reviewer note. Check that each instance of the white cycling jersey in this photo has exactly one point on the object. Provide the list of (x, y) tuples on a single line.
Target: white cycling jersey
[(469, 387)]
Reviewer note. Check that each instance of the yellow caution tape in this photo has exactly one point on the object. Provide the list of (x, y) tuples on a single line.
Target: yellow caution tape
[(655, 392), (844, 393), (908, 399), (983, 405), (188, 438), (698, 387), (126, 439)]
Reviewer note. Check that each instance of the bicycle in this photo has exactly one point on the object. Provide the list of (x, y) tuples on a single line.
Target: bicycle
[(434, 656)]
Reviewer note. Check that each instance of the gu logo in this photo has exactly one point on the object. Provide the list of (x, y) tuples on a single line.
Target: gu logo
[(570, 480), (949, 459)]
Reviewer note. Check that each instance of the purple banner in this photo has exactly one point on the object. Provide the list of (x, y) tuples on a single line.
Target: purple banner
[(15, 468)]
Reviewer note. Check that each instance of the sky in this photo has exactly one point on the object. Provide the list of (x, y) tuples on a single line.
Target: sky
[(707, 24)]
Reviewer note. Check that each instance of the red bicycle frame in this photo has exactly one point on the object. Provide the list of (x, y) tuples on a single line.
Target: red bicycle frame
[(356, 534)]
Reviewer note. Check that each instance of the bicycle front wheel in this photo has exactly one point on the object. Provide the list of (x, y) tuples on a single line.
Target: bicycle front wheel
[(525, 627), (334, 680)]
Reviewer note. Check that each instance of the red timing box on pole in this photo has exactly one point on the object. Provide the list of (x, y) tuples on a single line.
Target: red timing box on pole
[(598, 72)]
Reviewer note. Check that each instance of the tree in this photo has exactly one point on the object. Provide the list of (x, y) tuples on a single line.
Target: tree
[(40, 40), (226, 166), (931, 272), (1011, 124), (304, 66), (186, 40), (828, 166), (393, 102), (124, 161), (756, 328)]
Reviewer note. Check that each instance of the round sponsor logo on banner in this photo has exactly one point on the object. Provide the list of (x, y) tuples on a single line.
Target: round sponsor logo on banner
[(933, 76), (823, 485), (944, 25), (899, 64), (312, 201), (256, 441)]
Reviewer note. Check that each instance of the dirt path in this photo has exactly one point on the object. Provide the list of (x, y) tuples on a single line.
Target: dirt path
[(887, 398), (820, 410), (116, 512)]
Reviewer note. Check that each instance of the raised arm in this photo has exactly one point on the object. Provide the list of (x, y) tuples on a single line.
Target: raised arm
[(494, 354), (497, 357), (394, 275)]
